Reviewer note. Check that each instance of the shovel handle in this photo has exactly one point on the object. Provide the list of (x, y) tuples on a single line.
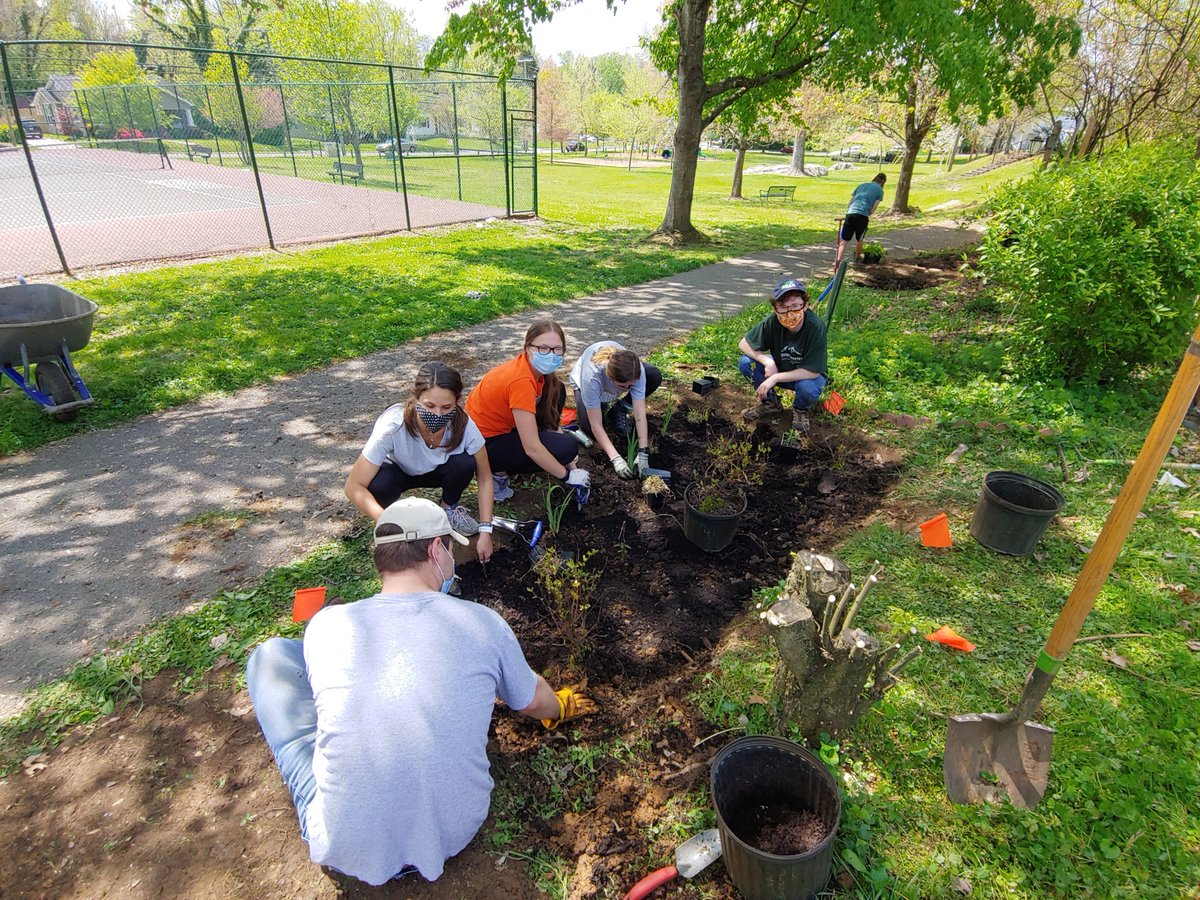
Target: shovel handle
[(1104, 553), (651, 883)]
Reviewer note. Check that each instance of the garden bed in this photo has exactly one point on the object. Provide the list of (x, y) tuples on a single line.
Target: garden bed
[(181, 797)]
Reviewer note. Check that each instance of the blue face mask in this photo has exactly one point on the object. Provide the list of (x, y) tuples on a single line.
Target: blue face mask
[(546, 362), (447, 582)]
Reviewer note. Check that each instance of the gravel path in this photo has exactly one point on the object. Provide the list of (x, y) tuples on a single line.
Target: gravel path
[(96, 544)]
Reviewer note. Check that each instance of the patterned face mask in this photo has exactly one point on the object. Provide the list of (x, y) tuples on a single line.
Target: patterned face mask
[(790, 320), (433, 421)]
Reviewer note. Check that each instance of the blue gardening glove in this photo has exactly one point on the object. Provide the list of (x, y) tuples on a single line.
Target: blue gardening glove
[(581, 481), (621, 467), (642, 463)]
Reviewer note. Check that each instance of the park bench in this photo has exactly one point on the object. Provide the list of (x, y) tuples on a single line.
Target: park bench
[(342, 171), (778, 192), (205, 153)]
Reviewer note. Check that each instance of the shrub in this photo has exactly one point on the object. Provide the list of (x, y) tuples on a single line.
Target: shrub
[(1100, 259)]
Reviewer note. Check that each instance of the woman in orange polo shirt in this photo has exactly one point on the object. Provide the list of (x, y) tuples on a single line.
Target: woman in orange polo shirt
[(518, 407)]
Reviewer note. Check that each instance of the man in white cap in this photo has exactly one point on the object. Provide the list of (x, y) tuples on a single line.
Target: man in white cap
[(378, 720)]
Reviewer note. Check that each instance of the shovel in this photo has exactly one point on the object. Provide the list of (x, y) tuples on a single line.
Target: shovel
[(691, 857), (990, 755)]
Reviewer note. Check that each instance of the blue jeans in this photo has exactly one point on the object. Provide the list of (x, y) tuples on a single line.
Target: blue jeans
[(277, 680), (808, 390)]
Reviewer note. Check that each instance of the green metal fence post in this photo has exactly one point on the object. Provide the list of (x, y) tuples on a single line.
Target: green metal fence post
[(287, 131), (504, 127), (397, 143), (457, 148), (237, 84), (129, 111), (37, 184), (216, 136), (337, 144), (162, 150), (535, 146), (112, 120), (403, 176), (85, 121)]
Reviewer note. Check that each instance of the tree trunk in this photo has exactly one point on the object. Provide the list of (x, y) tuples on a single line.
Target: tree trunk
[(735, 193), (829, 672), (929, 155), (692, 18), (953, 150), (798, 151), (1051, 142), (914, 134)]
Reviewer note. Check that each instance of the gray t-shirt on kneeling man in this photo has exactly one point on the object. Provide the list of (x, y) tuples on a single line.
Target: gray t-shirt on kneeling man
[(404, 686)]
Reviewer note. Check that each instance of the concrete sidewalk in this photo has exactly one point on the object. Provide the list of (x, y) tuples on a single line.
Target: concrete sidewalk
[(97, 544)]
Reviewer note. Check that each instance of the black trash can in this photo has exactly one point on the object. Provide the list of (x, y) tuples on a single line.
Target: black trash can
[(752, 772), (1014, 512)]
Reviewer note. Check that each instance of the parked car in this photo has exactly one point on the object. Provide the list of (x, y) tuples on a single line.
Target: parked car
[(575, 145), (388, 147), (847, 153), (33, 130)]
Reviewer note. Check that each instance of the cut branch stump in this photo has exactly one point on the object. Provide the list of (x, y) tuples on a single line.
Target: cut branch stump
[(829, 672)]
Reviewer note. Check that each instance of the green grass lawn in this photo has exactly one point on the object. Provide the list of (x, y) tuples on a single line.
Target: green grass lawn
[(169, 336)]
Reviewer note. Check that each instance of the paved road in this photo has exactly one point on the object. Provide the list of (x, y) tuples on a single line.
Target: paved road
[(96, 544)]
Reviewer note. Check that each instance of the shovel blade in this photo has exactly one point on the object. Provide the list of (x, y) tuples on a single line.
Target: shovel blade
[(695, 854), (988, 757)]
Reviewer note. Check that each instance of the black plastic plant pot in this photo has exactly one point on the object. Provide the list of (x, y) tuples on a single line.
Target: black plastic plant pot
[(710, 531), (705, 384), (755, 772), (1014, 512), (871, 258)]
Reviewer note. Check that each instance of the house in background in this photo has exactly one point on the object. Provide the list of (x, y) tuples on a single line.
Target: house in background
[(56, 105)]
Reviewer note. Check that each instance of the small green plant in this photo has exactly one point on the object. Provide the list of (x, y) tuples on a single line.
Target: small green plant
[(734, 464), (567, 586), (697, 415), (556, 509), (873, 251), (668, 412), (631, 448)]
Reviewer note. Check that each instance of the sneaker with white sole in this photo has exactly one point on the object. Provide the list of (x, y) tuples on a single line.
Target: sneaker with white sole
[(461, 520), (500, 488)]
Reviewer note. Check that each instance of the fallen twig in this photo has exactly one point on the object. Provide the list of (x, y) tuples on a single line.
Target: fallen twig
[(715, 734)]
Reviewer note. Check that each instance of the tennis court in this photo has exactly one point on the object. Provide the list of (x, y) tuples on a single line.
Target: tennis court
[(112, 206)]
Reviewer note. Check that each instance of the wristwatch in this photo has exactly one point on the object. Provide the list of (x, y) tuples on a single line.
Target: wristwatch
[(485, 527)]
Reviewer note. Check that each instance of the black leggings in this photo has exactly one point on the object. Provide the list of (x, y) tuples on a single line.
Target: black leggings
[(505, 453), (653, 380), (452, 476)]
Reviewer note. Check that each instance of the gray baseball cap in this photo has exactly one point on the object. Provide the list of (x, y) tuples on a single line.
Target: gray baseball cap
[(789, 286)]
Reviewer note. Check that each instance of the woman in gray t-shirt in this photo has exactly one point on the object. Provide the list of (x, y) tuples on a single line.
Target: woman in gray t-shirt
[(427, 441), (611, 382)]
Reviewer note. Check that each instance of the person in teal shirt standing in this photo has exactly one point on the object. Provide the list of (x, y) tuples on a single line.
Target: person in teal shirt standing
[(863, 201)]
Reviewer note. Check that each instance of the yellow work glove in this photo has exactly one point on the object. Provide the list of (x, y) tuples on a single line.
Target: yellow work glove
[(571, 704)]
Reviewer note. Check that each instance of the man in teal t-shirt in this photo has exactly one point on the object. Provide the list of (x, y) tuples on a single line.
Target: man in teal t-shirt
[(787, 350), (863, 201)]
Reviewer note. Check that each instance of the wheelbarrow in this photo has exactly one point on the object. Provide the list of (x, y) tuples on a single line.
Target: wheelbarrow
[(43, 324)]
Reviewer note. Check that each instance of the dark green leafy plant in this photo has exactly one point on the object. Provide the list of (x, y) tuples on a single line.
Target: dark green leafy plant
[(1100, 262)]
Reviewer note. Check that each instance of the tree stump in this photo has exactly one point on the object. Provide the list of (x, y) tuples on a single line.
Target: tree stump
[(829, 672)]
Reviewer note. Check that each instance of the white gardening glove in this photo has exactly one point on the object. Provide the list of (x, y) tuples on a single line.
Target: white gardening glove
[(642, 463), (581, 481), (621, 467)]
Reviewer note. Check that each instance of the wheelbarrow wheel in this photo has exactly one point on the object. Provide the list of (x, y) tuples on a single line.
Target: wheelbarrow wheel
[(52, 380)]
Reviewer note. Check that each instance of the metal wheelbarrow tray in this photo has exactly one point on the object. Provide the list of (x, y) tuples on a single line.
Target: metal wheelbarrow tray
[(44, 324)]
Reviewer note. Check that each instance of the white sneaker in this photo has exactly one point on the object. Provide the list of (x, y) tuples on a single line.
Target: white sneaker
[(500, 489), (461, 521)]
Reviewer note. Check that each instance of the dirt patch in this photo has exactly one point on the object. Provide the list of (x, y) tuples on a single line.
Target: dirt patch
[(780, 829), (910, 274), (180, 797)]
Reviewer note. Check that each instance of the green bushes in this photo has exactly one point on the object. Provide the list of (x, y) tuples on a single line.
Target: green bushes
[(1100, 260)]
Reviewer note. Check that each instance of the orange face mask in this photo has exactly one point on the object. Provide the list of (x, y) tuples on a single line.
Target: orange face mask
[(790, 320)]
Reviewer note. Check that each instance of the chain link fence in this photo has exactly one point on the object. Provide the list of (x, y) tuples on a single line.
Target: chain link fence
[(123, 153)]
